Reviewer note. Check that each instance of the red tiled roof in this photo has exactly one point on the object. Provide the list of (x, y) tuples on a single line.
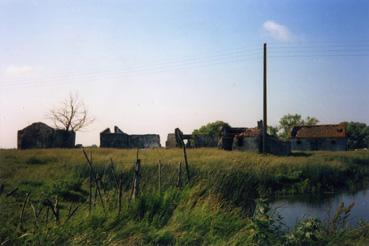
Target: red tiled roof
[(250, 132), (319, 131)]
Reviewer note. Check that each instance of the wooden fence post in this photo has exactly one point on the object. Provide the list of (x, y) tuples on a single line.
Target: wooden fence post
[(99, 193), (94, 178), (90, 194), (71, 213), (56, 209), (159, 177), (179, 136), (179, 182), (10, 193), (34, 214), (137, 179), (114, 176), (47, 215), (89, 163), (120, 193), (186, 162), (23, 207)]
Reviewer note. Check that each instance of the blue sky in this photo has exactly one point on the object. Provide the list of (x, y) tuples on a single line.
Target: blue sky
[(151, 66)]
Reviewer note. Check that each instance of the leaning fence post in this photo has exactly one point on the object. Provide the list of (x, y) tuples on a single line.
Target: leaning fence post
[(23, 207), (89, 163), (179, 182), (96, 178), (186, 162), (10, 193), (92, 173), (159, 177), (90, 193), (99, 193), (47, 215), (56, 209), (179, 136), (71, 213), (113, 172), (34, 214), (137, 179), (120, 193)]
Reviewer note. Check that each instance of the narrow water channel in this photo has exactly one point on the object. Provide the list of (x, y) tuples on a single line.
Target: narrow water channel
[(294, 208)]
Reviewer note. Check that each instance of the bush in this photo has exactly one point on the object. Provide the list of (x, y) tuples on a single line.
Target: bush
[(358, 135), (211, 129), (33, 160), (69, 189)]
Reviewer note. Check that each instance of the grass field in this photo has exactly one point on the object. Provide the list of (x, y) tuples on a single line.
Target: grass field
[(224, 204)]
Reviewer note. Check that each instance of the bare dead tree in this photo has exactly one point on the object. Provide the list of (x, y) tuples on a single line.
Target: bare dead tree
[(71, 114)]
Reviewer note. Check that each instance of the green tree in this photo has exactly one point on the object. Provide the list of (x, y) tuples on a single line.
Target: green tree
[(287, 122), (211, 129), (358, 135), (310, 121), (273, 131)]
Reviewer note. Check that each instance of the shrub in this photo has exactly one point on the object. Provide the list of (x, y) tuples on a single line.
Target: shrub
[(69, 189)]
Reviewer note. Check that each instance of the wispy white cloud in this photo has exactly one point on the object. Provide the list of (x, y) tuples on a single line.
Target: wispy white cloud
[(277, 31), (13, 70)]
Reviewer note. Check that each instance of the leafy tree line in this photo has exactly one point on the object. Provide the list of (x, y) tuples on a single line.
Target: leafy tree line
[(287, 122), (357, 132), (358, 135), (211, 129)]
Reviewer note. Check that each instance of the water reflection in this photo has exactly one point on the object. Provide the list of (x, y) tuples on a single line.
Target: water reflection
[(322, 206)]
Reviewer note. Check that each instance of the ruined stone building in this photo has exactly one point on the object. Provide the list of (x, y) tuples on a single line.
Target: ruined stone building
[(40, 135), (227, 136), (119, 139), (319, 137), (172, 141), (204, 141), (232, 138), (191, 141), (251, 140)]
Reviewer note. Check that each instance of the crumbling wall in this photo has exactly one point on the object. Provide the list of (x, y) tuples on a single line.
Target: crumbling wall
[(251, 140), (227, 137), (325, 144), (40, 135), (205, 141), (171, 141), (277, 147), (119, 139), (192, 141), (252, 144), (145, 141), (63, 139), (255, 143)]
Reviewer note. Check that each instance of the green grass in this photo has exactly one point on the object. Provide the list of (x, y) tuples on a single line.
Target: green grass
[(217, 207)]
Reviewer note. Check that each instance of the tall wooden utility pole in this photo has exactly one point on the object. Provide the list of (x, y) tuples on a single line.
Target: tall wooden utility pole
[(265, 100)]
